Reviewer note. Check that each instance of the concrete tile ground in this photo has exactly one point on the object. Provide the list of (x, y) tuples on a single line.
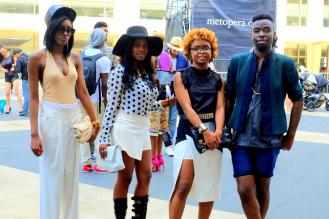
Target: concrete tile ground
[(299, 189)]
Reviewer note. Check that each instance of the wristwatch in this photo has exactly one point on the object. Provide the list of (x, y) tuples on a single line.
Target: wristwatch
[(201, 128)]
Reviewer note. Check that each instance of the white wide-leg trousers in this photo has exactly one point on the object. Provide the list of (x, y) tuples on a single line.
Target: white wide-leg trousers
[(59, 163)]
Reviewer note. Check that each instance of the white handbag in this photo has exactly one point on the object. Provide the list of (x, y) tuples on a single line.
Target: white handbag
[(113, 161)]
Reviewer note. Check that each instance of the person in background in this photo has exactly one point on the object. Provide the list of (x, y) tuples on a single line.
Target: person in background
[(21, 68), (132, 94), (11, 79), (106, 48), (103, 68), (257, 84), (159, 119), (200, 96), (52, 136), (179, 62)]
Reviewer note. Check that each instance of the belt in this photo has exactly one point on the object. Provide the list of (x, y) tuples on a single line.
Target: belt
[(202, 116)]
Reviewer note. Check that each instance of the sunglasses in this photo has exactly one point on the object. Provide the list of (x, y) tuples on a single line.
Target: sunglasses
[(62, 30)]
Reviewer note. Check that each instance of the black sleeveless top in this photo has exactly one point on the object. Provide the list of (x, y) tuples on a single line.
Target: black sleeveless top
[(203, 87)]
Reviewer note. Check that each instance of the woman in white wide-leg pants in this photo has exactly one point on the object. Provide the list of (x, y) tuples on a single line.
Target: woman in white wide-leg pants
[(59, 164), (60, 73)]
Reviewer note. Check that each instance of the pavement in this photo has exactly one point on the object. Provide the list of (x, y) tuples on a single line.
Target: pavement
[(299, 188)]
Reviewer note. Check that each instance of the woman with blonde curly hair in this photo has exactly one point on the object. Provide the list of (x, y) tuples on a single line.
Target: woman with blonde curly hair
[(200, 96)]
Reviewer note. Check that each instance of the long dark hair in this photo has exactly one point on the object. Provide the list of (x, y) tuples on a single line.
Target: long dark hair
[(49, 40), (130, 74)]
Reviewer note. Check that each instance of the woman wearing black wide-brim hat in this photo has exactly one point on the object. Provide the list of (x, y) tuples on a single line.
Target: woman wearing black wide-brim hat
[(59, 71), (132, 94)]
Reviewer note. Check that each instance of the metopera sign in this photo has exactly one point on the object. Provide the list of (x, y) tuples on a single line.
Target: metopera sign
[(231, 21), (228, 23)]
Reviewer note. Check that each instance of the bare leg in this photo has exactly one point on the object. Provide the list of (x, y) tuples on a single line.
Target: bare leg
[(263, 195), (143, 174), (182, 189), (159, 144), (18, 94), (7, 91), (154, 140), (205, 209), (124, 177), (248, 196)]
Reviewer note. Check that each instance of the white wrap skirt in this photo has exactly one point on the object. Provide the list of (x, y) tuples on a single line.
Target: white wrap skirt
[(131, 133), (207, 170)]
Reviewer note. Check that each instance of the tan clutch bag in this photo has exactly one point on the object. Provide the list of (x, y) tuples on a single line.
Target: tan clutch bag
[(83, 129)]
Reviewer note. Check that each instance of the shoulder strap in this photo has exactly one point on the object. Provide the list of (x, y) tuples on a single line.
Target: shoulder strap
[(97, 56)]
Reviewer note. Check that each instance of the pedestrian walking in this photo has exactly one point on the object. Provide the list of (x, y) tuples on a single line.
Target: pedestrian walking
[(11, 78), (21, 68), (179, 62), (97, 66)]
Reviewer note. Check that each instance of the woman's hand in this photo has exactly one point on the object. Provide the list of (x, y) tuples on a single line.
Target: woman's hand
[(96, 128), (168, 102), (218, 134), (36, 145), (211, 139), (172, 101), (103, 150)]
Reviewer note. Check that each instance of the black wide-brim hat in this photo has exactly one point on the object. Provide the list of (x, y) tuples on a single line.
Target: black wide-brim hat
[(56, 11), (155, 43)]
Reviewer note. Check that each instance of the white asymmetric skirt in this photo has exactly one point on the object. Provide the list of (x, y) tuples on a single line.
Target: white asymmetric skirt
[(207, 170), (131, 133)]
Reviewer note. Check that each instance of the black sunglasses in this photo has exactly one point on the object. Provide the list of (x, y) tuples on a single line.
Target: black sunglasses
[(62, 30)]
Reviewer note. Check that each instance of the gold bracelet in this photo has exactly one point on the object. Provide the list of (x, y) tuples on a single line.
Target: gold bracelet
[(96, 122)]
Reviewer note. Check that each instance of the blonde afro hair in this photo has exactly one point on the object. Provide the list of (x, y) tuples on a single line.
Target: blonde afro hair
[(200, 34)]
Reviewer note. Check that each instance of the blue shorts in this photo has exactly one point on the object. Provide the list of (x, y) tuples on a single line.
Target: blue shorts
[(259, 162)]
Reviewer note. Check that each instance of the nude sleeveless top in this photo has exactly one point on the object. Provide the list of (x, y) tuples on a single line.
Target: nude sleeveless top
[(57, 87)]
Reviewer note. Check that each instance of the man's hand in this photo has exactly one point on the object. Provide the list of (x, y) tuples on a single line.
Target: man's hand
[(287, 142)]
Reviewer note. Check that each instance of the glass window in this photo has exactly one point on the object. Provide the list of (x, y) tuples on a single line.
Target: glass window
[(27, 40), (297, 52), (324, 58), (150, 9), (326, 13), (92, 8), (297, 12), (19, 7)]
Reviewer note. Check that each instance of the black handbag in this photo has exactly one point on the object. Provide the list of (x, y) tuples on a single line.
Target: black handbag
[(199, 142), (227, 138)]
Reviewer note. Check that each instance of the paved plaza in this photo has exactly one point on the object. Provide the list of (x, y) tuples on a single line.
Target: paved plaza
[(300, 187)]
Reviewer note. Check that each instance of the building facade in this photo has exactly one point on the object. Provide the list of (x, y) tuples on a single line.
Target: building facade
[(303, 32), (22, 21)]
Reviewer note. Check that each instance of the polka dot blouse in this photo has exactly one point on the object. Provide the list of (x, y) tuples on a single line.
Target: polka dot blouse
[(139, 100)]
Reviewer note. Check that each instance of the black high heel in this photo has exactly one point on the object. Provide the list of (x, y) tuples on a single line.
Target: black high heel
[(8, 111)]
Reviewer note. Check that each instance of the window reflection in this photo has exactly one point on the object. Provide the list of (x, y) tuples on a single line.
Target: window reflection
[(151, 9), (297, 12), (92, 8), (19, 7)]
